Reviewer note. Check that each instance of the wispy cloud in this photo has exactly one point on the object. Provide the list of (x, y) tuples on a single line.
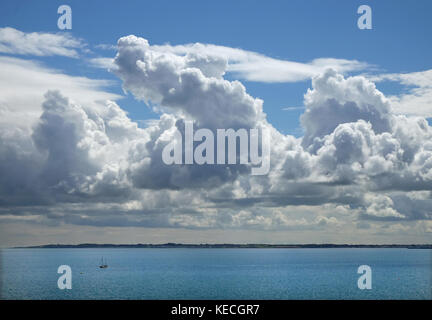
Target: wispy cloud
[(253, 66), (103, 63), (24, 83), (293, 108), (417, 99), (13, 41), (104, 46)]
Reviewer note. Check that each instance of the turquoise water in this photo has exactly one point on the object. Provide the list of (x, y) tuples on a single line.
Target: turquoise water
[(216, 273)]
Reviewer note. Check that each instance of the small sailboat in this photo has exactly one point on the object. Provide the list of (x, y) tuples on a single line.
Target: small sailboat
[(103, 264)]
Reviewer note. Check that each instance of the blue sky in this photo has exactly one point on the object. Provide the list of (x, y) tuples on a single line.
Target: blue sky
[(291, 30)]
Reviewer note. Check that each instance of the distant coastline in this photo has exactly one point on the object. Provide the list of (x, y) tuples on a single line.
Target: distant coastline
[(228, 246)]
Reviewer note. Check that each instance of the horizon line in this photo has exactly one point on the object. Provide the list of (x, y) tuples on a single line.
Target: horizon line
[(226, 245)]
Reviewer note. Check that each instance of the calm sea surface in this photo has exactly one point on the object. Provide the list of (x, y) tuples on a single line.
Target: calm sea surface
[(216, 273)]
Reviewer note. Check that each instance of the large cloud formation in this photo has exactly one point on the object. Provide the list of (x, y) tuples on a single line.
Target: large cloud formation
[(91, 165)]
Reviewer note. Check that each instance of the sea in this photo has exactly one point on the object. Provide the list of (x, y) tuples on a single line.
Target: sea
[(216, 273)]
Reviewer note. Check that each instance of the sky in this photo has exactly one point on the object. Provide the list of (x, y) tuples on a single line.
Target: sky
[(86, 112)]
